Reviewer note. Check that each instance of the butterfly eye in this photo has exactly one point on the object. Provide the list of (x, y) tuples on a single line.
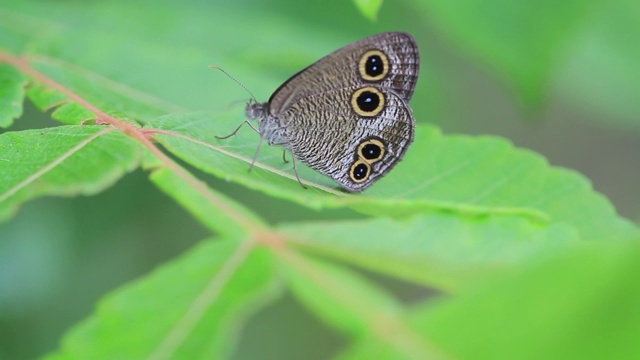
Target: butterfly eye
[(360, 171), (374, 65), (371, 150), (367, 101)]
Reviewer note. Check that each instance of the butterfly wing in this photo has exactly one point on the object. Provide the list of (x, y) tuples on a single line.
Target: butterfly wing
[(388, 60), (338, 139)]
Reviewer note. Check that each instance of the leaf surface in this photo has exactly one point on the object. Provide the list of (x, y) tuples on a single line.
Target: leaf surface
[(12, 84), (438, 250), (62, 161), (481, 175), (583, 303), (190, 308), (368, 8), (349, 302)]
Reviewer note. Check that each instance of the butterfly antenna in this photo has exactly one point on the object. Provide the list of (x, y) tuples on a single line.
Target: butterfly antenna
[(234, 79)]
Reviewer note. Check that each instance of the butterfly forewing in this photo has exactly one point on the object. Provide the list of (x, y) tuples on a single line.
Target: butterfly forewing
[(341, 69)]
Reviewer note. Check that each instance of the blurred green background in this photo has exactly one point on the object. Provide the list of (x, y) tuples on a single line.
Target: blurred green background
[(566, 87)]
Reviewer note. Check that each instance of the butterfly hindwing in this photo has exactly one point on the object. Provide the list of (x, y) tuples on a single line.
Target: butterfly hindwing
[(352, 147)]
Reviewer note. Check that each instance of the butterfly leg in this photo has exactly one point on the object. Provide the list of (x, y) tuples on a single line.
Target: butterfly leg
[(255, 157), (293, 158), (295, 169), (238, 128)]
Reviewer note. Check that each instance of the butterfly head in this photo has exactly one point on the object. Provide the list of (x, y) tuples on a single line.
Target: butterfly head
[(256, 111)]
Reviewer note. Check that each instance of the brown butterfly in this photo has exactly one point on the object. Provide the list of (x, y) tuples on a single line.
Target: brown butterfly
[(347, 115)]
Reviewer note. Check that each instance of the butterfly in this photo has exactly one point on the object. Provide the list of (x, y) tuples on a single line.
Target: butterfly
[(347, 115)]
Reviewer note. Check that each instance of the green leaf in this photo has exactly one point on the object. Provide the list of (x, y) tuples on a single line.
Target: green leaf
[(98, 91), (368, 347), (440, 250), (66, 111), (523, 42), (220, 213), (464, 174), (348, 302), (12, 84), (582, 304), (339, 296), (489, 175), (63, 161), (192, 308), (369, 8)]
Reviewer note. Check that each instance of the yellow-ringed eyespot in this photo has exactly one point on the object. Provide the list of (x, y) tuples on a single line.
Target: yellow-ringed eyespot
[(359, 171), (371, 150), (367, 101), (374, 65)]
